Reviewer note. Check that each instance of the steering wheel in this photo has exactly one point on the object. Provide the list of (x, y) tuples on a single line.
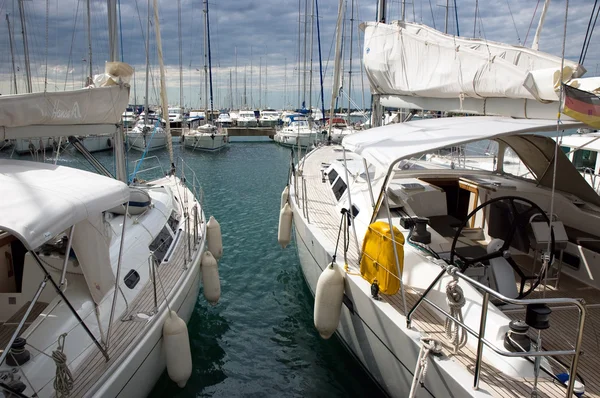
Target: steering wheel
[(519, 219)]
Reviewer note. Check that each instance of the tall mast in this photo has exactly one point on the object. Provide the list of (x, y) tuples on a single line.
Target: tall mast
[(403, 9), (146, 99), (230, 91), (336, 69), (299, 47), (113, 31), (205, 61), (163, 87), (446, 22), (376, 108), (25, 46), (245, 93), (12, 53), (89, 34), (134, 90), (538, 31), (237, 93), (180, 56), (351, 37), (251, 69), (266, 82), (209, 57), (305, 53), (285, 83), (259, 82), (312, 36)]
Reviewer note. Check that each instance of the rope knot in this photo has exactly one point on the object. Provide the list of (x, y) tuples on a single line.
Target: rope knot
[(63, 382), (455, 299)]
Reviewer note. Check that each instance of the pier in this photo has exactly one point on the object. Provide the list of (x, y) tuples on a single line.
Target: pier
[(251, 131)]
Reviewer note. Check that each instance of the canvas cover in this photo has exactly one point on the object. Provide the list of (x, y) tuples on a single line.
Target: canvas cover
[(409, 59), (378, 259)]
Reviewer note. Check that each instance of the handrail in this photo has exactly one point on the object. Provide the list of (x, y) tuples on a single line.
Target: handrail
[(137, 172), (454, 271)]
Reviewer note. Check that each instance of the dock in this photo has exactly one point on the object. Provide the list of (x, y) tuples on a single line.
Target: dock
[(251, 131)]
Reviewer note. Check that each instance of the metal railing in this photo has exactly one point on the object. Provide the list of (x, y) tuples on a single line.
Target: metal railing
[(480, 335), (148, 169)]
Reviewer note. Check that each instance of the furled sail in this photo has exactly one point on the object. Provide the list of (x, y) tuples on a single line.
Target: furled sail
[(53, 114), (417, 64)]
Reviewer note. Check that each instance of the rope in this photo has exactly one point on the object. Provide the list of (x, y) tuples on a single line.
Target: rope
[(455, 300), (63, 383), (428, 345)]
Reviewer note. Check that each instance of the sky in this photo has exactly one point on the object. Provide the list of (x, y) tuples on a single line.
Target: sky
[(262, 36)]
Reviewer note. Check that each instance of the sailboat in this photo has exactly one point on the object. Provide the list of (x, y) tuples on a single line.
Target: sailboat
[(103, 275), (442, 279), (207, 137)]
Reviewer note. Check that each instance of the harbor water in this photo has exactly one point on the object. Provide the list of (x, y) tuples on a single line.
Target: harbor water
[(259, 340)]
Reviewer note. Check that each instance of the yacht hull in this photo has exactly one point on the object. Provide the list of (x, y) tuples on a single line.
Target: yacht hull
[(135, 374), (137, 141), (206, 142), (97, 143), (387, 352), (293, 140)]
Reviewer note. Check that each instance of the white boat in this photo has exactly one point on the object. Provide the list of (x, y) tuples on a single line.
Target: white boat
[(96, 143), (148, 135), (224, 120), (269, 118), (368, 175), (26, 146), (129, 118), (339, 129), (205, 138), (176, 117), (246, 119), (582, 150), (296, 132)]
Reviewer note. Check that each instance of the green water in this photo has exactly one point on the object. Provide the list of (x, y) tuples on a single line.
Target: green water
[(259, 340)]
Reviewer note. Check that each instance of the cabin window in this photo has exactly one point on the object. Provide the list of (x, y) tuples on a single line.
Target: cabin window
[(332, 176), (160, 245), (583, 159), (338, 188), (513, 165), (173, 221)]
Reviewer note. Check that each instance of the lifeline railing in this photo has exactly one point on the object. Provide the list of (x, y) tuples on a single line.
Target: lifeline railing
[(481, 340)]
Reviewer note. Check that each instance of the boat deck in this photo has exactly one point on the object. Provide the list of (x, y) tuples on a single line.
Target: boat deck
[(321, 211)]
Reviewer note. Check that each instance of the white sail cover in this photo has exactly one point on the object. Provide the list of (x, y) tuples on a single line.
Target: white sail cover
[(412, 60), (53, 114)]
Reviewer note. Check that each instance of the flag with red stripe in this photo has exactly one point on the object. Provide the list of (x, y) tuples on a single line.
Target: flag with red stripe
[(581, 105)]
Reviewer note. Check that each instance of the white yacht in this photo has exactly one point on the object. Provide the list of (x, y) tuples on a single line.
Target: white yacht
[(89, 291), (176, 117), (296, 132), (339, 129), (129, 118), (205, 138), (224, 120), (246, 119), (148, 134), (269, 118), (97, 143)]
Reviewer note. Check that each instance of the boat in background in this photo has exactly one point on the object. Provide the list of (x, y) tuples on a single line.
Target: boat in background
[(176, 117), (339, 129), (246, 118), (269, 118), (148, 134), (296, 132), (129, 118), (224, 120)]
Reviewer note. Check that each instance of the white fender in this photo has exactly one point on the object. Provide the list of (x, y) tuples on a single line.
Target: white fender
[(215, 241), (328, 300), (284, 232), (284, 196), (210, 278), (176, 344)]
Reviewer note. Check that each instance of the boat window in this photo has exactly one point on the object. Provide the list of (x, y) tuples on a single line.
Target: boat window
[(584, 158), (514, 166), (160, 245), (332, 176), (338, 188), (173, 221)]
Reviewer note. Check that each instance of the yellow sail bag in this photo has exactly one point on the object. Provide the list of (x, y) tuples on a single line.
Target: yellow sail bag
[(378, 260)]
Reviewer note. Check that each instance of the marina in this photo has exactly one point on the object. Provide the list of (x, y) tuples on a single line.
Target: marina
[(330, 198)]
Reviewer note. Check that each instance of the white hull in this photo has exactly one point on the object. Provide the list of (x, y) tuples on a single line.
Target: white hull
[(293, 140), (97, 143), (389, 358), (136, 141), (205, 141), (247, 123)]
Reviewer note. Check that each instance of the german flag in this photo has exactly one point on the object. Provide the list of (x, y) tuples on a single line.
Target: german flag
[(581, 105)]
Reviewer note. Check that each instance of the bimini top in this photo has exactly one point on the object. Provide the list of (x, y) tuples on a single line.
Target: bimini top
[(39, 200), (386, 146)]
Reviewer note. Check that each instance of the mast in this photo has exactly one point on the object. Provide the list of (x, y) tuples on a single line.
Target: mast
[(205, 61), (25, 46), (312, 37), (134, 90), (285, 83), (146, 100), (376, 108), (320, 61), (336, 69), (245, 93), (163, 87), (230, 91), (305, 56), (119, 145), (538, 31), (266, 82), (351, 37), (89, 33), (180, 56), (251, 69), (299, 47), (237, 93), (259, 82), (403, 11), (209, 58), (12, 53), (446, 22)]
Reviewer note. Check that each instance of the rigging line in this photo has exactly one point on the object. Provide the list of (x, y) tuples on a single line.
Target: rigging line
[(587, 31), (120, 31), (531, 22), (590, 38), (513, 20), (46, 67), (432, 17), (456, 17), (71, 50)]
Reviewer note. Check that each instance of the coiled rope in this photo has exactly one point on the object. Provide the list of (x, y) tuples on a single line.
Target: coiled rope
[(456, 300), (63, 382), (428, 345)]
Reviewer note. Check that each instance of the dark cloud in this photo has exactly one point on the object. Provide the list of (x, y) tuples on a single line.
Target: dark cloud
[(264, 32)]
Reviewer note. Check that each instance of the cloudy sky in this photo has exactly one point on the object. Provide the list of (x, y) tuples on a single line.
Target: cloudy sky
[(262, 33)]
